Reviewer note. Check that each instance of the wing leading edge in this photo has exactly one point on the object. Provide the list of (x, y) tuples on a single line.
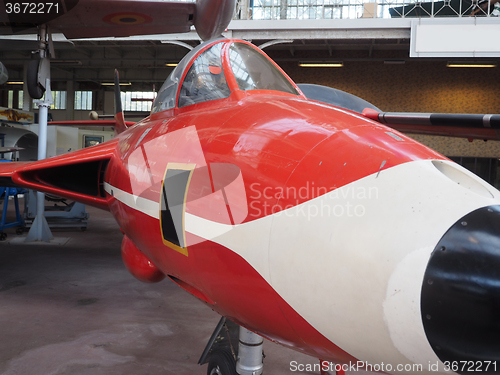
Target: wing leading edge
[(77, 175)]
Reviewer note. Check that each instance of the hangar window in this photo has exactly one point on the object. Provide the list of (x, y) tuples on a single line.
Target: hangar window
[(21, 99), (254, 71), (10, 103), (137, 101), (59, 98), (83, 100), (15, 99)]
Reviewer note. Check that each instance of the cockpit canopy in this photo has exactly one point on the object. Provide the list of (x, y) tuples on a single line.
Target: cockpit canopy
[(209, 78)]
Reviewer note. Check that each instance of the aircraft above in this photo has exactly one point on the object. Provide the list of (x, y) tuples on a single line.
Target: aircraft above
[(115, 18)]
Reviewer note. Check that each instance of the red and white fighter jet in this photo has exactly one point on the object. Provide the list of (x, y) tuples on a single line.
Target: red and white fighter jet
[(309, 224)]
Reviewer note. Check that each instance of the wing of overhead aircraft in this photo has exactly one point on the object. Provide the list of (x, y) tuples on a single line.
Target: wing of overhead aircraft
[(97, 18), (116, 18)]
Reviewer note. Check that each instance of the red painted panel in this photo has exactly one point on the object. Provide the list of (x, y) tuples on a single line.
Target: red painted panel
[(215, 273)]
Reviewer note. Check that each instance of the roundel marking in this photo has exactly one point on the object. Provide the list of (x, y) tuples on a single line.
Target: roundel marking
[(127, 18)]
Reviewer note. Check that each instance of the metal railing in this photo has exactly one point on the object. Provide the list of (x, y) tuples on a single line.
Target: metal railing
[(350, 9)]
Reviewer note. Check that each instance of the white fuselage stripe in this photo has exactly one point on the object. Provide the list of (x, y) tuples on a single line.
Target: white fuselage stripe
[(140, 204), (199, 226)]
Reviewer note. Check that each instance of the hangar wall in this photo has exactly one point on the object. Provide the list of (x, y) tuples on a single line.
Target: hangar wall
[(417, 86), (410, 87)]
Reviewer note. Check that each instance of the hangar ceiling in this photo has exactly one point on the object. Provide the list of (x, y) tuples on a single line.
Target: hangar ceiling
[(142, 61), (369, 44)]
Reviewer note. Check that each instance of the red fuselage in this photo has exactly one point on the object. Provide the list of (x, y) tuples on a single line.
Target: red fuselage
[(288, 150)]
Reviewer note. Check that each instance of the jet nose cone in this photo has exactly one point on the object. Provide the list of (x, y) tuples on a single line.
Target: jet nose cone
[(460, 302)]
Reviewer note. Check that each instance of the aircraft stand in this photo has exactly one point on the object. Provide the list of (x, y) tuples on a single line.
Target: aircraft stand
[(58, 215), (19, 222), (38, 79), (40, 230)]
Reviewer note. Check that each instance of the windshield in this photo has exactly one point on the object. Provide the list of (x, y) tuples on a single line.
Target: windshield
[(167, 95), (205, 80), (254, 71)]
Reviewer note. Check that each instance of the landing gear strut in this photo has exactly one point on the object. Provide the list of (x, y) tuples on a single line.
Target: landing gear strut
[(224, 357), (250, 353)]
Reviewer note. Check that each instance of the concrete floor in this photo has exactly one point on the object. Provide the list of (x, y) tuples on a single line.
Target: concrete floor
[(75, 309)]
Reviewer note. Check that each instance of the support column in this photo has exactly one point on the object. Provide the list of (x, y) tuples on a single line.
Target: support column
[(40, 230)]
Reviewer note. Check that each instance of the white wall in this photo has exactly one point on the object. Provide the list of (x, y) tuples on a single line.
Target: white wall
[(107, 135), (60, 139)]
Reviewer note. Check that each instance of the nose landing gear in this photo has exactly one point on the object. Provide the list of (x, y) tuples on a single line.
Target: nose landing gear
[(224, 357)]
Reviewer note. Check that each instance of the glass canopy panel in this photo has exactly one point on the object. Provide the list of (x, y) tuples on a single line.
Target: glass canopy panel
[(167, 95), (254, 71), (205, 79)]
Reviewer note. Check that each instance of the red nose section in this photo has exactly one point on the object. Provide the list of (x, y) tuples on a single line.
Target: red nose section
[(138, 264)]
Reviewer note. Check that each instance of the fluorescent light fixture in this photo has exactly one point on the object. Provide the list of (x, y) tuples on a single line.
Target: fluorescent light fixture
[(15, 83), (319, 64), (471, 64), (142, 99), (173, 65), (112, 84), (394, 62), (66, 62)]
